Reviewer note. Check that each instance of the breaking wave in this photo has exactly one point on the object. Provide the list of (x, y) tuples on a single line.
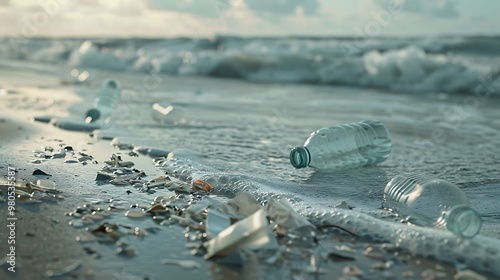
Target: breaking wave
[(431, 64)]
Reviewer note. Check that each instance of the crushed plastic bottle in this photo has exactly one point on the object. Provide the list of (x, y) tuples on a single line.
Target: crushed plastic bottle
[(106, 102), (432, 202), (344, 146)]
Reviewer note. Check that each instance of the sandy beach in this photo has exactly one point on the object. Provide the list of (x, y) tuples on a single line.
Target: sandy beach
[(47, 242)]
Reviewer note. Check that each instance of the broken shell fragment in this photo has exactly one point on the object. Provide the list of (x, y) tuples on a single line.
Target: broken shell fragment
[(201, 185)]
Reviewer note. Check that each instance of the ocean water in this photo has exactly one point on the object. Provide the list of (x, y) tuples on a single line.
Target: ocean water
[(439, 98), (449, 64)]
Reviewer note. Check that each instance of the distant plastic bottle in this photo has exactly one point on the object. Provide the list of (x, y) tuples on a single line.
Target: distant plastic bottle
[(106, 102), (432, 202), (344, 146)]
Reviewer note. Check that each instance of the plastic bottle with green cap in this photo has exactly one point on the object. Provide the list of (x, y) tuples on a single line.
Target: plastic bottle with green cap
[(105, 103), (432, 202), (344, 146)]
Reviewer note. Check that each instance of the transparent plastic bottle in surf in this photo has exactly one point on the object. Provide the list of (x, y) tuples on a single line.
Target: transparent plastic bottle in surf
[(344, 146), (106, 102), (432, 202)]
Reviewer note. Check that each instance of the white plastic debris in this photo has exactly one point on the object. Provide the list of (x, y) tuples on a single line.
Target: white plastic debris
[(216, 222), (48, 184), (203, 204), (283, 214), (188, 264), (250, 233), (241, 206)]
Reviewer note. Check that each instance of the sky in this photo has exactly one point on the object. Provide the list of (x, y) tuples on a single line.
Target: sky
[(205, 18)]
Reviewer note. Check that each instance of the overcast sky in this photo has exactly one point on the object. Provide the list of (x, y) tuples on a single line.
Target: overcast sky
[(201, 18)]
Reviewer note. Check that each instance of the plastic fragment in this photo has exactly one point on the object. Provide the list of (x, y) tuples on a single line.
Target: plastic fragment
[(250, 233), (63, 271), (242, 206), (216, 222), (188, 264), (282, 212)]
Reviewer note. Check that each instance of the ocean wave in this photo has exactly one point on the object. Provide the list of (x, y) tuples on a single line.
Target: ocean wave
[(431, 64)]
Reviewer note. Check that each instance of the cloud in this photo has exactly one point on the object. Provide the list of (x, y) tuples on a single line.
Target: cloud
[(116, 18), (435, 8), (4, 2), (283, 7), (204, 8)]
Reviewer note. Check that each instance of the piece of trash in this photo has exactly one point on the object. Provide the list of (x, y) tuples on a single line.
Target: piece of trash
[(202, 185), (178, 186), (216, 222), (375, 252), (352, 270), (250, 233), (169, 113), (283, 214), (125, 250), (105, 103), (40, 173), (43, 119), (242, 206), (76, 223), (157, 182), (84, 238), (342, 205), (135, 214), (63, 271), (103, 177), (424, 200), (204, 203), (468, 275), (188, 264), (59, 154), (49, 184), (327, 148)]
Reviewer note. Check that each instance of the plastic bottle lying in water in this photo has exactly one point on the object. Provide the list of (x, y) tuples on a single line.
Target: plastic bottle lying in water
[(432, 202), (106, 102), (344, 146)]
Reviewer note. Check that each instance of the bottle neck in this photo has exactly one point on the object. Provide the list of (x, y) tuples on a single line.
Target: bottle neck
[(300, 157), (462, 220)]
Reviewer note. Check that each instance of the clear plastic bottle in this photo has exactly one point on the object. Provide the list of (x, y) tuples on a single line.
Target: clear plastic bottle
[(432, 202), (344, 146), (106, 102)]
